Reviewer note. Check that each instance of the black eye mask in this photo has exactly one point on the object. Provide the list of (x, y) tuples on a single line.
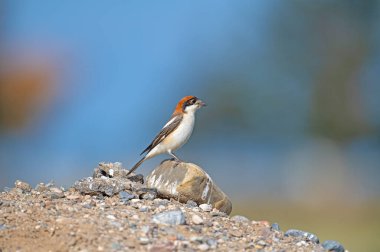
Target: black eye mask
[(190, 102)]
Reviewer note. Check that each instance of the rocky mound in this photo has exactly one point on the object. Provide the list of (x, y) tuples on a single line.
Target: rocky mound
[(110, 212)]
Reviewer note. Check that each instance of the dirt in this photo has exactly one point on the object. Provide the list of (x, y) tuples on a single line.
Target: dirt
[(49, 218)]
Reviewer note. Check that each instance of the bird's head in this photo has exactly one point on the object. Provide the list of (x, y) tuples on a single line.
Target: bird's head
[(189, 104)]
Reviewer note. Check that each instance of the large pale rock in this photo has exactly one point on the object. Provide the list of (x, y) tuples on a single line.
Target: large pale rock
[(187, 181)]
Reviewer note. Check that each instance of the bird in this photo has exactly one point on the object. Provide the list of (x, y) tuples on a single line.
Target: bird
[(175, 132)]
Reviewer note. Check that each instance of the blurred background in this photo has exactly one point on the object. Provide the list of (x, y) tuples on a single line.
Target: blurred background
[(292, 128)]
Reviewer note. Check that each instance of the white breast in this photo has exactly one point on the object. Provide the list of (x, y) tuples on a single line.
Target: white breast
[(180, 135), (177, 138)]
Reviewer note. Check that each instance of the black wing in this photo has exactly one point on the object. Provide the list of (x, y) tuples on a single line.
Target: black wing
[(164, 133)]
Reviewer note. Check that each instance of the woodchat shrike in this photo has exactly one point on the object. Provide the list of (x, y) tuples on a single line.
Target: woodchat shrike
[(176, 131)]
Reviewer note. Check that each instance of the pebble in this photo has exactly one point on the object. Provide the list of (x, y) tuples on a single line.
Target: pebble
[(41, 187), (205, 207), (203, 247), (299, 233), (276, 227), (212, 243), (144, 240), (111, 217), (196, 219), (25, 187), (55, 190), (139, 178), (149, 196), (301, 243), (236, 233), (191, 204), (239, 218), (125, 196), (334, 246), (147, 193), (144, 209), (261, 243), (170, 218), (116, 246), (56, 194), (159, 202)]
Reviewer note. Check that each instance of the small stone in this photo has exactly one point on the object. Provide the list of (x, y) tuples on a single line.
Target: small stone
[(205, 207), (56, 195), (276, 227), (2, 227), (196, 219), (125, 196), (212, 243), (170, 218), (161, 202), (73, 196), (139, 178), (334, 246), (301, 244), (203, 247), (144, 240), (261, 243), (239, 218), (116, 246), (149, 196), (144, 209), (41, 187), (55, 190), (236, 233), (191, 204), (145, 229), (111, 217), (299, 233), (25, 187), (147, 193), (135, 200)]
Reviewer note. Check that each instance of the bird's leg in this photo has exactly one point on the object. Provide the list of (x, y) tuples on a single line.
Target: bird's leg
[(175, 157)]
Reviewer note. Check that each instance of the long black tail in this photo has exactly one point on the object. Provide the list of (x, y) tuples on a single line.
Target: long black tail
[(136, 166)]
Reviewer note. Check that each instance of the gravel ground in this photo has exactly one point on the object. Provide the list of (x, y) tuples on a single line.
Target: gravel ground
[(49, 218)]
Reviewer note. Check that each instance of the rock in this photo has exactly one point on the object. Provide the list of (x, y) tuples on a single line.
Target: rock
[(110, 170), (196, 219), (170, 218), (203, 247), (25, 187), (144, 240), (205, 207), (139, 178), (334, 246), (125, 196), (104, 186), (191, 204), (299, 233), (41, 187), (239, 218), (276, 227), (187, 181), (144, 209), (236, 233), (147, 193), (212, 243)]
